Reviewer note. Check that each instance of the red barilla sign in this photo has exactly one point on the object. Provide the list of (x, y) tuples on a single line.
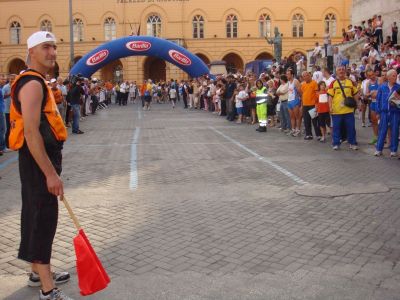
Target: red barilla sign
[(138, 46), (97, 57), (180, 58)]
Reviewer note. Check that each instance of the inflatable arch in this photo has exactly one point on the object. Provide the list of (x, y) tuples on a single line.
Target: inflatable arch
[(140, 45)]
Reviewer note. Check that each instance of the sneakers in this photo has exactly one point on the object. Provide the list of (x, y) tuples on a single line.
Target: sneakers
[(393, 154), (308, 138), (378, 153), (353, 147), (55, 294), (373, 141), (290, 132), (296, 133), (322, 140), (363, 124), (78, 132), (58, 277), (262, 129), (335, 147)]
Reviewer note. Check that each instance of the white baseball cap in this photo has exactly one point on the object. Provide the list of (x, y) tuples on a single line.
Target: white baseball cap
[(40, 37), (53, 80)]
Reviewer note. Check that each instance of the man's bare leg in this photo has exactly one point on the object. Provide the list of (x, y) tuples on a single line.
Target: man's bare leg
[(46, 277)]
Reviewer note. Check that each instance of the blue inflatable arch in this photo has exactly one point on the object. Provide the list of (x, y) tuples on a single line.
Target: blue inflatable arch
[(140, 45)]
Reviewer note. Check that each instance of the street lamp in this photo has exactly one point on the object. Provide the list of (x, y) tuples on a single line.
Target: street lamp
[(71, 35)]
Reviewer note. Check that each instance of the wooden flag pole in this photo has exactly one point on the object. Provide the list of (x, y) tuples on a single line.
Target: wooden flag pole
[(71, 213)]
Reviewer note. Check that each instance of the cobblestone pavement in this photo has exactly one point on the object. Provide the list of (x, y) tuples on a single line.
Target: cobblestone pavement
[(218, 211)]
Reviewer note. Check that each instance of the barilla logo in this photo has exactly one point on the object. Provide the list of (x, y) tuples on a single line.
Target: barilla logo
[(138, 46), (97, 57), (180, 58)]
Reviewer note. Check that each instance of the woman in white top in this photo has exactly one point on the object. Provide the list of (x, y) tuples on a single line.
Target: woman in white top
[(294, 102), (284, 115), (217, 98)]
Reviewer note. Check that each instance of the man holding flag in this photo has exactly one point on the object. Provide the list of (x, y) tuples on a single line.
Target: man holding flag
[(38, 133)]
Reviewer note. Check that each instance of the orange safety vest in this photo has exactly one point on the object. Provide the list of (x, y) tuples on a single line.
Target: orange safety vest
[(16, 139)]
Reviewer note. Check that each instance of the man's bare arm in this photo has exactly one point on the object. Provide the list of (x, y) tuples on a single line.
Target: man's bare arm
[(30, 96)]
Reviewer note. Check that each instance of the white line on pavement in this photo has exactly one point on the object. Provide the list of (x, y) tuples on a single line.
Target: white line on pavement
[(134, 174), (266, 160)]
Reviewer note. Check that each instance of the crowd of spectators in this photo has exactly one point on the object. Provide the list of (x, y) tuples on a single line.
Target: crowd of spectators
[(285, 95), (372, 27), (310, 104)]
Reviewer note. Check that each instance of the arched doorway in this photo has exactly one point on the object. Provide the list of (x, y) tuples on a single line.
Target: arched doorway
[(155, 69), (76, 59), (264, 56), (16, 66), (234, 63), (204, 58), (114, 71)]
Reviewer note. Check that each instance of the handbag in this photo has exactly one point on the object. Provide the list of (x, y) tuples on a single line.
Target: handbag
[(313, 113), (348, 101)]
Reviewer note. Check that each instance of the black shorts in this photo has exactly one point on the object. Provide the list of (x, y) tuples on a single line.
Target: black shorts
[(147, 99), (271, 110), (39, 213), (365, 101), (324, 119), (252, 103)]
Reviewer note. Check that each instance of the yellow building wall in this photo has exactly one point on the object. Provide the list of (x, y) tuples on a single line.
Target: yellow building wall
[(176, 23)]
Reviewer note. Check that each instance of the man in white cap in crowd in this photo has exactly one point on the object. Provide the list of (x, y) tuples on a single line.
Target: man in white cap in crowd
[(38, 133)]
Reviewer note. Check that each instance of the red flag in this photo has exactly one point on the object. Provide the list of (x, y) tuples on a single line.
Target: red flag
[(91, 275)]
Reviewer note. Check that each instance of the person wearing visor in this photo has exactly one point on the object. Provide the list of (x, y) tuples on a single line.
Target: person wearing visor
[(38, 133)]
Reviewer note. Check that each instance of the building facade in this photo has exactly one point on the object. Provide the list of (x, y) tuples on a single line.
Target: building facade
[(229, 30)]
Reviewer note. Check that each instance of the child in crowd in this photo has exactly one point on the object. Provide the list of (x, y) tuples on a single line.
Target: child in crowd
[(239, 98), (324, 119), (172, 97)]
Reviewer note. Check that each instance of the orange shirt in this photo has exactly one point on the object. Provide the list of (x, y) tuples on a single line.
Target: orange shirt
[(57, 95), (143, 88), (109, 86), (309, 93)]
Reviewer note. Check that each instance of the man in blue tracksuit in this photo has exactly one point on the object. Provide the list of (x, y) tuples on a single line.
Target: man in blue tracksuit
[(389, 114)]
